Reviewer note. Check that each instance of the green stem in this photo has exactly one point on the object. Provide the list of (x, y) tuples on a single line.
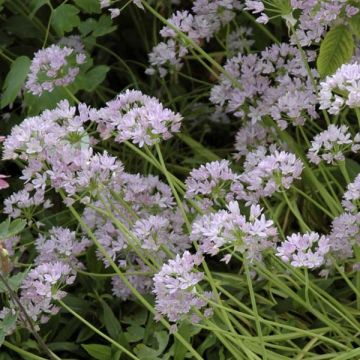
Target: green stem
[(23, 352), (97, 331)]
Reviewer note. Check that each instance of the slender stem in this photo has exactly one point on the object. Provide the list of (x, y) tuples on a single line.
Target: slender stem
[(97, 331), (23, 352), (254, 307)]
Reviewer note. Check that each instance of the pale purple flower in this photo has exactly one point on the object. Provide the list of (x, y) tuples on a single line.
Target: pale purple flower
[(272, 83), (52, 67), (138, 118), (304, 250), (331, 145), (266, 173), (175, 287), (351, 196), (229, 228), (340, 89)]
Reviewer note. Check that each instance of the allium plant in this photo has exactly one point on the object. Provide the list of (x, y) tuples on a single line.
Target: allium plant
[(209, 211)]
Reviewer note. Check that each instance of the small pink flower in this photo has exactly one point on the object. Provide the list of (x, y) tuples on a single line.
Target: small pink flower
[(3, 184)]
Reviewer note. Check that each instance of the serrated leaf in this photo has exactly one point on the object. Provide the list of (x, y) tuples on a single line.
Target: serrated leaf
[(89, 6), (14, 80), (98, 352), (65, 18), (87, 26), (336, 49), (94, 77)]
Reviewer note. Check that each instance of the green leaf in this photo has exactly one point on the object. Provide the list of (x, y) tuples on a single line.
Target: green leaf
[(65, 18), (336, 49), (146, 353), (98, 352), (14, 80), (16, 227), (2, 336), (14, 282), (93, 78), (89, 6), (22, 27), (87, 26), (35, 5), (4, 227), (9, 321), (354, 22), (353, 168), (104, 26), (111, 322), (134, 333)]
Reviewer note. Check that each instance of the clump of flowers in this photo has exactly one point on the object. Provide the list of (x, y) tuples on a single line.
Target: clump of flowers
[(304, 250), (274, 83), (266, 173), (351, 196), (240, 40), (211, 181), (344, 235), (250, 236), (341, 89), (331, 144), (318, 15), (175, 289), (136, 117), (54, 66), (206, 19)]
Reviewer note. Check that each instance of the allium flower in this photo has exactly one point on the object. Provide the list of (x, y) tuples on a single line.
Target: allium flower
[(174, 287), (212, 180), (331, 144), (52, 67), (202, 23), (318, 15), (229, 227), (340, 89), (42, 286), (136, 117), (345, 233), (304, 250), (265, 174), (273, 83), (249, 137), (240, 40), (351, 196), (60, 245)]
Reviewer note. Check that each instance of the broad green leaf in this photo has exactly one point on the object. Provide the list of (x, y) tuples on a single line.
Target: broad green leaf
[(134, 333), (93, 78), (8, 321), (87, 26), (353, 168), (4, 227), (146, 353), (89, 6), (2, 336), (14, 282), (336, 49), (14, 80), (16, 227), (35, 5), (111, 322), (104, 26), (98, 352), (65, 18), (137, 317)]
